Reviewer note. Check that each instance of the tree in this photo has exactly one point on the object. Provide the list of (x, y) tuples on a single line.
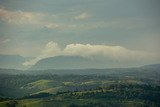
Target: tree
[(11, 103)]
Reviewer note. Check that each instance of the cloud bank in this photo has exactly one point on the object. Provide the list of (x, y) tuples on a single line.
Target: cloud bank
[(115, 53)]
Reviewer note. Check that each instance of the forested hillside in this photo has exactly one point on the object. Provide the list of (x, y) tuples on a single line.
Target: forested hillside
[(124, 87)]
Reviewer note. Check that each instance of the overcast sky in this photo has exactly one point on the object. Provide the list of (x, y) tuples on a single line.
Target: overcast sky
[(116, 29)]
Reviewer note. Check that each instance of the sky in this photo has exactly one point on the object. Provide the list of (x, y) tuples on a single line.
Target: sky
[(121, 30)]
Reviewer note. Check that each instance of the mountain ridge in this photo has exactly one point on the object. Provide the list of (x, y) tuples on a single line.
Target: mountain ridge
[(78, 62), (66, 62)]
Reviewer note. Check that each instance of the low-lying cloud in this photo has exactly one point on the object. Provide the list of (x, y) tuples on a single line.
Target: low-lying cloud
[(51, 49), (116, 53)]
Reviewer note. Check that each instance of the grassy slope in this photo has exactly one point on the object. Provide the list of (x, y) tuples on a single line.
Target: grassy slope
[(50, 86), (67, 102)]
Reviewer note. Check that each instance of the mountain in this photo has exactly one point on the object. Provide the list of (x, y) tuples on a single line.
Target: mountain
[(77, 62), (67, 62), (152, 66), (147, 71), (12, 61)]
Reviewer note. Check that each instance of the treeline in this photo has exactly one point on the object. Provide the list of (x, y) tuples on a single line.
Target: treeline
[(118, 92), (10, 85)]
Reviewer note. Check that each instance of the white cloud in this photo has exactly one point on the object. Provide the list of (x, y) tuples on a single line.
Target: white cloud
[(116, 53), (51, 49), (113, 52), (59, 26), (19, 17), (31, 18), (82, 16), (5, 41), (40, 19)]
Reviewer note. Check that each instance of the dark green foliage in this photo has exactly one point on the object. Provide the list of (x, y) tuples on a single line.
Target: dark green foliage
[(12, 103), (39, 95), (51, 90), (123, 92)]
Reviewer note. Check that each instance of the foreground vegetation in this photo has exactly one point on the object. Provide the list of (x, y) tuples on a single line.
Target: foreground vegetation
[(115, 95), (129, 87), (78, 91)]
